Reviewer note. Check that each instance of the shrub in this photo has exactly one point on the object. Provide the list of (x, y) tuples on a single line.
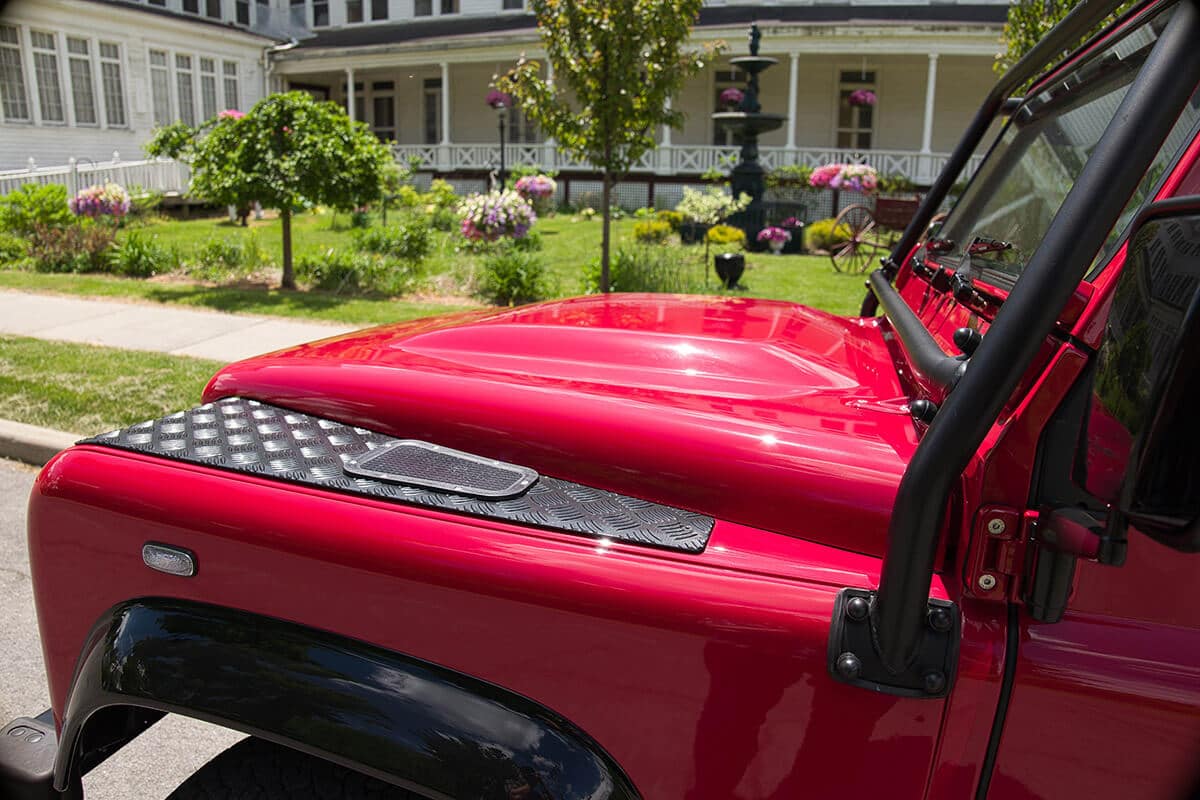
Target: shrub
[(348, 271), (142, 256), (360, 218), (232, 256), (32, 206), (441, 194), (652, 231), (408, 240), (83, 247), (529, 243), (896, 183), (408, 197), (511, 277), (647, 269), (145, 203), (12, 248), (444, 219), (821, 234), (725, 235), (672, 218)]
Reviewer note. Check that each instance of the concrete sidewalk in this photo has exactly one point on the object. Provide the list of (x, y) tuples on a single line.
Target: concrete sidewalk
[(136, 326), (160, 328)]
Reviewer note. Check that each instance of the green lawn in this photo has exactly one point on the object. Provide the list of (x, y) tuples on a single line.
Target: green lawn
[(86, 390), (568, 245)]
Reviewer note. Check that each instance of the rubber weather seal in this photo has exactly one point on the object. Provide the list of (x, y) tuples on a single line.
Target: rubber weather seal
[(246, 436)]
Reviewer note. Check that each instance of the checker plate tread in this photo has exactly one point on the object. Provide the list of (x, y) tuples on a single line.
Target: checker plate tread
[(259, 439)]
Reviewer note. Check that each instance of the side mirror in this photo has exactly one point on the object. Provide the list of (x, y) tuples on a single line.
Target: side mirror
[(1150, 376)]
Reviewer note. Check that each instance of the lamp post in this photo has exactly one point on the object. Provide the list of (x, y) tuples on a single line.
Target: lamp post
[(501, 102)]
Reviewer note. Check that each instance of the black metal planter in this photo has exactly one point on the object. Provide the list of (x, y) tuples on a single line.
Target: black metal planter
[(730, 267)]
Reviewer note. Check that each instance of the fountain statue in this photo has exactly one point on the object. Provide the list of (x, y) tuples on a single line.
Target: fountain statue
[(747, 122)]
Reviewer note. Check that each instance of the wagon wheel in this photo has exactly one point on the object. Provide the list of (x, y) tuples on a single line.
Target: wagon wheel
[(856, 253)]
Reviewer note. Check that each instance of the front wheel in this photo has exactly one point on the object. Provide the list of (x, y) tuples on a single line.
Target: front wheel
[(254, 769)]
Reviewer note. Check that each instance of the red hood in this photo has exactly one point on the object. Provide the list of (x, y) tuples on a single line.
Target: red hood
[(759, 412)]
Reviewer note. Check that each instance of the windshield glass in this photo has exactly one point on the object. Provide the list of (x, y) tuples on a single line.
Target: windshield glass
[(1040, 153)]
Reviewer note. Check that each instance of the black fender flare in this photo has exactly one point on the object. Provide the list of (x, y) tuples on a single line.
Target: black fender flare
[(391, 716)]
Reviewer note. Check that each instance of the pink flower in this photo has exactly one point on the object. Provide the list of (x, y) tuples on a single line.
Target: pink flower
[(731, 97), (862, 97), (498, 99), (231, 113)]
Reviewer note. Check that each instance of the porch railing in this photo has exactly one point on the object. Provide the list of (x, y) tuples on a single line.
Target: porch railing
[(154, 175), (676, 159)]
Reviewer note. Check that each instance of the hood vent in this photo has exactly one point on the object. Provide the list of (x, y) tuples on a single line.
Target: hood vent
[(432, 466)]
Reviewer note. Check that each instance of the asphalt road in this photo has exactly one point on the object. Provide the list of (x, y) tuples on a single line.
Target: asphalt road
[(151, 766)]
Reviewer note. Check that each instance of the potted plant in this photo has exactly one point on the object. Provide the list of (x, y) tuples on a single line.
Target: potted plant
[(732, 98), (794, 226), (775, 238)]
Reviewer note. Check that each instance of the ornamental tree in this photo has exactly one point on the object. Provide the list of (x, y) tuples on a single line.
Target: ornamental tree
[(616, 64), (1030, 20), (287, 152)]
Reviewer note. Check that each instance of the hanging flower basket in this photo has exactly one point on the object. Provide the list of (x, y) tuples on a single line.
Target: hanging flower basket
[(498, 99), (732, 98), (863, 97)]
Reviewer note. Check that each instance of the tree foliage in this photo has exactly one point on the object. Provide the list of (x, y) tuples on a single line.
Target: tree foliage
[(1030, 20), (616, 65), (287, 152)]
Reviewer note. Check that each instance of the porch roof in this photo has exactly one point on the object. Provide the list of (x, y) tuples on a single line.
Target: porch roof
[(466, 25)]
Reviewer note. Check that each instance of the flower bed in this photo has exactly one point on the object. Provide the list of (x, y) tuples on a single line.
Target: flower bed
[(110, 200), (498, 215)]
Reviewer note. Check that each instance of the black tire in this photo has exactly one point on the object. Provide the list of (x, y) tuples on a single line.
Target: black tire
[(254, 769)]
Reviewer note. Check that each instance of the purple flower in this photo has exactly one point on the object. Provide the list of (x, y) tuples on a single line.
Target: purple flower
[(862, 97), (732, 97), (498, 99)]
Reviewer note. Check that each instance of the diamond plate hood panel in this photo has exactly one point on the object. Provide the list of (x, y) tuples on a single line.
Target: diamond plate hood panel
[(263, 440), (760, 412)]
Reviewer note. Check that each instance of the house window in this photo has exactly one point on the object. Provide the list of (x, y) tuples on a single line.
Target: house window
[(422, 8), (231, 84), (184, 89), (191, 6), (13, 99), (299, 13), (379, 9), (113, 85), (383, 110), (513, 5), (856, 124), (320, 13), (354, 9), (160, 87), (208, 88), (83, 91), (242, 10), (162, 3), (45, 72), (724, 79), (212, 8), (449, 6), (433, 110)]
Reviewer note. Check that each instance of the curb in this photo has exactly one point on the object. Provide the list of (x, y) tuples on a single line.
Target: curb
[(31, 444)]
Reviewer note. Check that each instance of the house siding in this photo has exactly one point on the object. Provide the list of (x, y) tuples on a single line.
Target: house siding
[(136, 33)]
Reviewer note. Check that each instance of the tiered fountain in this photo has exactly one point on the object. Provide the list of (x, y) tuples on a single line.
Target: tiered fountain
[(747, 122)]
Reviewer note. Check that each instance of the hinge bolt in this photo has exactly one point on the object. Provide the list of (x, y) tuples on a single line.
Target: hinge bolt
[(996, 526), (857, 608), (848, 666), (987, 582), (933, 682)]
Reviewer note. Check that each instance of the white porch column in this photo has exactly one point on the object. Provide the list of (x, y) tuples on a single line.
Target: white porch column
[(549, 146), (930, 93), (793, 108), (445, 102), (350, 92), (664, 147)]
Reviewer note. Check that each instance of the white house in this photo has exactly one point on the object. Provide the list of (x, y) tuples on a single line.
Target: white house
[(81, 78)]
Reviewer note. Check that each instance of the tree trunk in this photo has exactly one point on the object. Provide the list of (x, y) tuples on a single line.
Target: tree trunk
[(605, 198), (289, 277)]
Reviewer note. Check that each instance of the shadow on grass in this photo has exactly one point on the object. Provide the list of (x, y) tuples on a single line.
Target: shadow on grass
[(261, 300)]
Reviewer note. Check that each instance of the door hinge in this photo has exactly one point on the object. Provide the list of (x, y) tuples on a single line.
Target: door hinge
[(996, 561)]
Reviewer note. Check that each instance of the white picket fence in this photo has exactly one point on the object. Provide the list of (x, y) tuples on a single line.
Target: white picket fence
[(151, 175)]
